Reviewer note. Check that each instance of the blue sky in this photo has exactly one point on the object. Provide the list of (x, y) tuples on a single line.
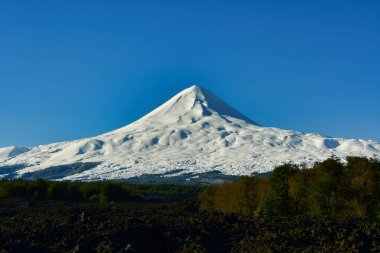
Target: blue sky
[(73, 69)]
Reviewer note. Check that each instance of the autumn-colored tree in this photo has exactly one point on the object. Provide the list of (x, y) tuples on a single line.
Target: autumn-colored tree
[(227, 197), (299, 186), (329, 188), (240, 197)]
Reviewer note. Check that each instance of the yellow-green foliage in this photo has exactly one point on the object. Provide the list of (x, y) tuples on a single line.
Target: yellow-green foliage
[(329, 188), (240, 197)]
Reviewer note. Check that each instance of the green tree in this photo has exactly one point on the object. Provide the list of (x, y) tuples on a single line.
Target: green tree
[(38, 188), (279, 189), (57, 191), (114, 192), (326, 191), (361, 183)]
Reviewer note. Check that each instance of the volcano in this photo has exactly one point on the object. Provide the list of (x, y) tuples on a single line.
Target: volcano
[(194, 133)]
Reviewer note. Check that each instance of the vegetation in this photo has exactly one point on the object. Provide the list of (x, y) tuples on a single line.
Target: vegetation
[(98, 192), (330, 188), (332, 207), (54, 226)]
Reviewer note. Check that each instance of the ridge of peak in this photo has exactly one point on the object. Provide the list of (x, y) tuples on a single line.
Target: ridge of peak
[(189, 98), (186, 107), (196, 89)]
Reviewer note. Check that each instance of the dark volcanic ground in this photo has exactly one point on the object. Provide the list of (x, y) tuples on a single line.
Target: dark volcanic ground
[(35, 226)]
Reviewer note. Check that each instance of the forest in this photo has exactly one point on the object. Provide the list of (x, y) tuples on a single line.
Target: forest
[(332, 207), (330, 188)]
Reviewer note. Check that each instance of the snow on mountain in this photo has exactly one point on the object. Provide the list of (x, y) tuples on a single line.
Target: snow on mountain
[(11, 151), (193, 132)]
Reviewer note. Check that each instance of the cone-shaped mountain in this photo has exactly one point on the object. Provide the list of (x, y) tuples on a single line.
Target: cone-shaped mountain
[(194, 132)]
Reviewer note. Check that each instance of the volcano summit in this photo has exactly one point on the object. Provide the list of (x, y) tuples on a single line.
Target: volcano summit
[(193, 133)]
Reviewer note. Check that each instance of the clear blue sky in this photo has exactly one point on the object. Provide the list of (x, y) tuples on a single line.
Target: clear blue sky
[(73, 69)]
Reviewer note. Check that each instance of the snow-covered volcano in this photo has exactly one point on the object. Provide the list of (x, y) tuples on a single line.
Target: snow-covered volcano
[(193, 133)]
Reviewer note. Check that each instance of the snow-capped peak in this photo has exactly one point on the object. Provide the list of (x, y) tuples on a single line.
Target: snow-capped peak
[(193, 132), (187, 107)]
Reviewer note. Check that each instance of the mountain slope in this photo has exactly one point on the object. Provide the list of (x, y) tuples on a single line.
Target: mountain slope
[(12, 151), (193, 132)]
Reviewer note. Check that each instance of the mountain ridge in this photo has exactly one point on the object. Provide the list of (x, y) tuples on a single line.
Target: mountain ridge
[(193, 132)]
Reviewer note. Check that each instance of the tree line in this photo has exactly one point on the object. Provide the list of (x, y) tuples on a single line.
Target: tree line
[(97, 192), (330, 188)]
